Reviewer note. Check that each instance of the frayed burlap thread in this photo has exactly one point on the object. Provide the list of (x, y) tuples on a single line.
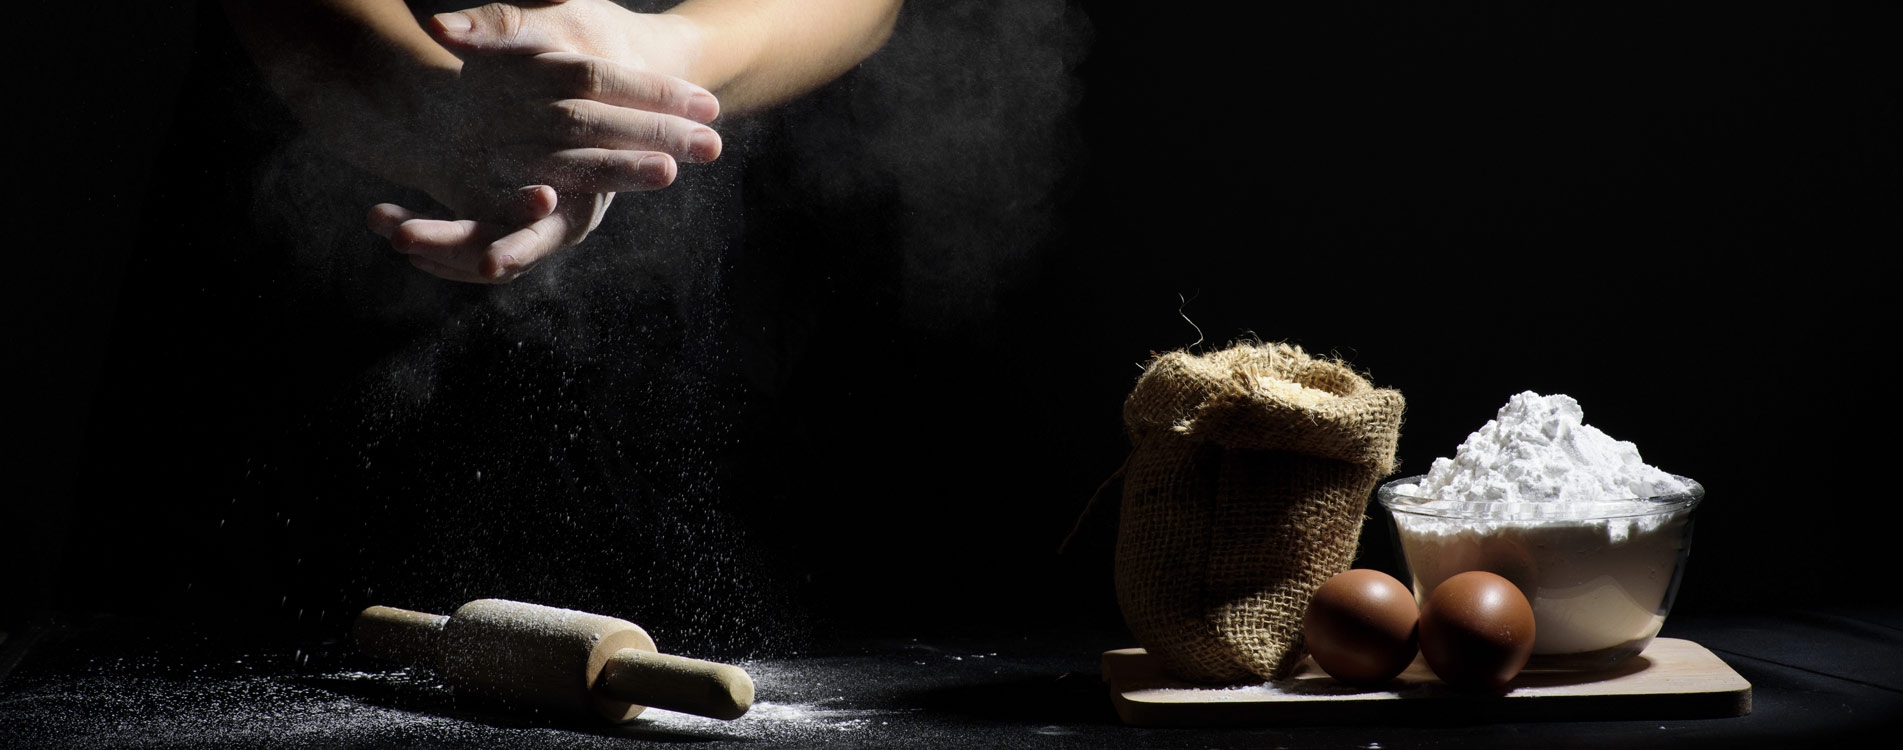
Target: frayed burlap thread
[(1245, 489)]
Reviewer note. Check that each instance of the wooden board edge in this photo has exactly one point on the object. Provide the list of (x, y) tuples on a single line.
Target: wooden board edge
[(1117, 664)]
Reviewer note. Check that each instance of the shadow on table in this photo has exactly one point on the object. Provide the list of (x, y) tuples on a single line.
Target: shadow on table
[(1069, 698)]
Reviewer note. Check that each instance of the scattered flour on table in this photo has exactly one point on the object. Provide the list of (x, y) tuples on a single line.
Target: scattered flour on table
[(150, 705), (768, 720)]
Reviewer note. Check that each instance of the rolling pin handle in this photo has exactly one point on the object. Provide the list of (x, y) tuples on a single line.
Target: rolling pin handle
[(401, 636), (677, 683)]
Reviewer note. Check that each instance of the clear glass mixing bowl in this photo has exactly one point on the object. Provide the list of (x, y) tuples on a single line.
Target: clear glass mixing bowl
[(1601, 576)]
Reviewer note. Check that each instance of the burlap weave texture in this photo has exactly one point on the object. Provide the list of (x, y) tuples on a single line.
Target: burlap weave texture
[(1244, 492)]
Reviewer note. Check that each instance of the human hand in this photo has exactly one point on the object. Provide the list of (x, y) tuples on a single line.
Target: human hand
[(658, 43), (529, 109), (491, 252)]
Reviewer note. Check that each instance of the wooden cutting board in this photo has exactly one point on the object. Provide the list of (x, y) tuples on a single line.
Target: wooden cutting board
[(1673, 679)]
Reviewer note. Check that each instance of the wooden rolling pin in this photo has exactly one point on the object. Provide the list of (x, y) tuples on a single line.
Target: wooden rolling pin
[(569, 662)]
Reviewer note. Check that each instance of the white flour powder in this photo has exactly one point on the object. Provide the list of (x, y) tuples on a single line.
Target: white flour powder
[(1538, 449), (1554, 505)]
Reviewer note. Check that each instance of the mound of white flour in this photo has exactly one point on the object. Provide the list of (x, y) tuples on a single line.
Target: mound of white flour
[(1538, 449), (1555, 506)]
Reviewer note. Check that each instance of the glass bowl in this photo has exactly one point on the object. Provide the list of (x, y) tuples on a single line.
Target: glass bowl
[(1601, 576)]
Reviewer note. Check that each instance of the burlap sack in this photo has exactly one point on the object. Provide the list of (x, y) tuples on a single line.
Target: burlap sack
[(1244, 492)]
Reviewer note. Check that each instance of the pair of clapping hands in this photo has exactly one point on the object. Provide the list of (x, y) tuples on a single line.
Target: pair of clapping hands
[(558, 107)]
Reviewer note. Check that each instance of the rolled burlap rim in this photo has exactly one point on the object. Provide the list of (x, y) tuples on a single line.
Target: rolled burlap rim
[(1244, 492)]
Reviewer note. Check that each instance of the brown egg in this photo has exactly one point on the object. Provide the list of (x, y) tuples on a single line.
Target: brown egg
[(1476, 630), (1360, 627)]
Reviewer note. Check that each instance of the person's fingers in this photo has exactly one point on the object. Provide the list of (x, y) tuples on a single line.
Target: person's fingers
[(569, 75), (384, 218), (581, 123), (488, 253), (578, 101), (480, 252), (515, 206), (494, 29), (587, 170), (527, 204), (610, 82), (454, 243), (572, 75), (518, 251), (463, 250)]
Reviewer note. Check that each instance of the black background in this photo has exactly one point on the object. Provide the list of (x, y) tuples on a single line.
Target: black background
[(902, 384)]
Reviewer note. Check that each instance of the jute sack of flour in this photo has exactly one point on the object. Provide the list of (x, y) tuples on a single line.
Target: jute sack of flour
[(1243, 493)]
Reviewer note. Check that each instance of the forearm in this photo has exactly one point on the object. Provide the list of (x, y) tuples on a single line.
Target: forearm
[(755, 54)]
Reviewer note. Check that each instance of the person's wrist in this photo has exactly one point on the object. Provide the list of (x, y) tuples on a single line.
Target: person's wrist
[(703, 50)]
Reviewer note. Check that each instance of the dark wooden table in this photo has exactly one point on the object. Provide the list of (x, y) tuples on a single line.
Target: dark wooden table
[(1815, 676)]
